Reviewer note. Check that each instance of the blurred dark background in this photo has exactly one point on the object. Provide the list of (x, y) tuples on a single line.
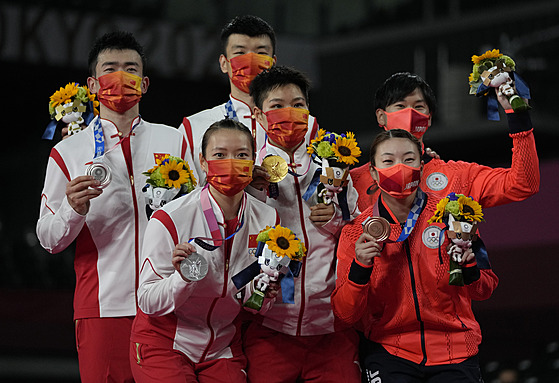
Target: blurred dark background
[(347, 47)]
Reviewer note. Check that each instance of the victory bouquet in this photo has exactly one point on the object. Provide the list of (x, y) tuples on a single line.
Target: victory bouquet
[(170, 178), (279, 252), (496, 70), (73, 105), (461, 214), (335, 153)]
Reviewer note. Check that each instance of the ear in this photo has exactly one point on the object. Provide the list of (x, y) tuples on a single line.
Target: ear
[(224, 64), (203, 163), (261, 117), (381, 117), (430, 118), (275, 60), (93, 84), (145, 84), (374, 173)]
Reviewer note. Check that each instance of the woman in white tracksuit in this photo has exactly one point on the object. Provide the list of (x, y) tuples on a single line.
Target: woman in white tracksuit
[(185, 331)]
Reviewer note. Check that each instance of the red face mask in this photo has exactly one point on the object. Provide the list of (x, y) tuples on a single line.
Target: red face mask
[(229, 176), (287, 126), (408, 119), (399, 180), (119, 91), (246, 67)]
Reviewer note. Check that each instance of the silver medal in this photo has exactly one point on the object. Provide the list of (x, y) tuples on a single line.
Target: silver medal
[(100, 172), (195, 267)]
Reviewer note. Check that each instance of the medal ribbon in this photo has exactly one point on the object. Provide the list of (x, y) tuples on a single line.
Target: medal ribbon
[(99, 139), (230, 110), (413, 215), (212, 223)]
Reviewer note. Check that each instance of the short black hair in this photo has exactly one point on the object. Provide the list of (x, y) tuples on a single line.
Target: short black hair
[(274, 78), (118, 40), (252, 26), (398, 86), (230, 124), (385, 135)]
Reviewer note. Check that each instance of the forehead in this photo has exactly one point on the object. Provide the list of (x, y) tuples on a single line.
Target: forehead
[(416, 95), (284, 92), (228, 138), (119, 56), (396, 146), (252, 43)]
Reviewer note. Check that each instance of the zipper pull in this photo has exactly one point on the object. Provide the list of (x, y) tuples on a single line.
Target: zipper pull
[(131, 180)]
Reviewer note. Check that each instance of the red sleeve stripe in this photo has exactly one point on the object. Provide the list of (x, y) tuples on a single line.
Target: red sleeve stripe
[(188, 130), (164, 218), (60, 162), (183, 150), (314, 130)]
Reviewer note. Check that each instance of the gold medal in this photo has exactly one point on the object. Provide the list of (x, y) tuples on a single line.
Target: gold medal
[(276, 168)]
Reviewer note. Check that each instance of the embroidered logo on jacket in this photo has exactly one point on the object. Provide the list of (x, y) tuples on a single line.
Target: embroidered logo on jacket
[(430, 236), (436, 181)]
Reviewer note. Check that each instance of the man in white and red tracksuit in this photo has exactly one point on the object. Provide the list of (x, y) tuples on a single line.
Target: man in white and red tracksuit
[(106, 221), (249, 46)]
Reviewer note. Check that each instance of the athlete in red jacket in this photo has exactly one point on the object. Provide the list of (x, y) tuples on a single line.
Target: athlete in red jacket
[(405, 101), (416, 325)]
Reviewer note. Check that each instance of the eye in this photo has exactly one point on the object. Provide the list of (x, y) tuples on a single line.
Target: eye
[(300, 105), (242, 155), (276, 106)]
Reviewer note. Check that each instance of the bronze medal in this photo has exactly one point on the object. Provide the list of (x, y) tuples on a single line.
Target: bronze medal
[(377, 227)]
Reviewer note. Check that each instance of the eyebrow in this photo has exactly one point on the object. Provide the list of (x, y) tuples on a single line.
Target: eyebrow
[(127, 63), (281, 99), (391, 154), (223, 148)]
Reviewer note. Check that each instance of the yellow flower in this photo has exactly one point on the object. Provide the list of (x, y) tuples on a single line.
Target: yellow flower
[(190, 174), (346, 150), (439, 213), (487, 55), (95, 103), (315, 141), (470, 210), (173, 173), (283, 242), (64, 95), (158, 162)]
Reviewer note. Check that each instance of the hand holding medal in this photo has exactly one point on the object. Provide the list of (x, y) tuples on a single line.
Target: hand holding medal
[(277, 170), (377, 227), (191, 265)]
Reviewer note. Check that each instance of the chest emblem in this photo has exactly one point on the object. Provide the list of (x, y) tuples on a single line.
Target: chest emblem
[(430, 236), (436, 181)]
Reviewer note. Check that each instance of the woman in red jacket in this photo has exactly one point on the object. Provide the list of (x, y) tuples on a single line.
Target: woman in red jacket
[(417, 327)]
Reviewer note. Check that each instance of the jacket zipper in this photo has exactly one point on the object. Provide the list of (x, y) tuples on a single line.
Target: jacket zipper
[(304, 266), (223, 294), (416, 302), (127, 152)]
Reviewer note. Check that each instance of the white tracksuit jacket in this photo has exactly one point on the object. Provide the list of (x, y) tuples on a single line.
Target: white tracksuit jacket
[(109, 236), (312, 313), (195, 318)]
